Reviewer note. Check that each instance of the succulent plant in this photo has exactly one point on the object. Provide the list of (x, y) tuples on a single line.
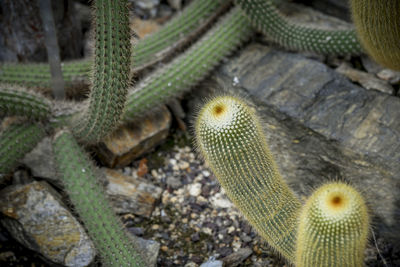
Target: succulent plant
[(266, 17), (378, 27), (330, 230), (178, 31), (230, 137), (333, 228), (80, 179)]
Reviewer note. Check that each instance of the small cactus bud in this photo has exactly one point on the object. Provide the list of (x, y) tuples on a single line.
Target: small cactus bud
[(333, 228)]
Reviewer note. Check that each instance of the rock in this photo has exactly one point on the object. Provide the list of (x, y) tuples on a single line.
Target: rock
[(41, 161), (337, 8), (36, 217), (194, 189), (174, 182), (146, 8), (367, 80), (393, 77), (220, 201), (321, 127), (212, 263), (130, 194), (237, 257), (148, 249), (132, 140)]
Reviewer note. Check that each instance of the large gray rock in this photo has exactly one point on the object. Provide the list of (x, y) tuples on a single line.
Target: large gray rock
[(321, 127), (36, 217)]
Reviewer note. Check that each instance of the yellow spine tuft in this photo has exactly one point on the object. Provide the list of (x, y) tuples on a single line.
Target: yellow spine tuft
[(333, 228), (230, 137)]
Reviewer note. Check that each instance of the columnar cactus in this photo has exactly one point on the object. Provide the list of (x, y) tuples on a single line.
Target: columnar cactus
[(194, 18), (111, 75), (266, 18), (19, 101), (80, 179), (189, 68), (15, 141), (378, 27), (333, 228), (230, 137)]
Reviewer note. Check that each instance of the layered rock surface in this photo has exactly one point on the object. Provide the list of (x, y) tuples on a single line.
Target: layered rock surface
[(322, 127)]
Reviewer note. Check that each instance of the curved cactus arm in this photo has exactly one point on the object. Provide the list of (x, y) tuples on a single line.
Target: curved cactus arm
[(111, 72), (264, 16), (333, 228), (378, 26), (188, 69), (230, 137), (179, 30), (88, 197), (38, 74), (15, 141), (18, 101)]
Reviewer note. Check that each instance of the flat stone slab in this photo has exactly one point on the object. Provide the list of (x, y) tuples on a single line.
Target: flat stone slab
[(132, 140), (36, 217), (321, 127), (130, 194)]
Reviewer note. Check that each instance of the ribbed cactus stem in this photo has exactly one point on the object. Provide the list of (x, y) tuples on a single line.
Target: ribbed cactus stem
[(79, 177), (194, 18), (18, 101), (333, 228), (189, 68), (265, 17), (231, 139), (378, 27), (111, 72), (15, 141)]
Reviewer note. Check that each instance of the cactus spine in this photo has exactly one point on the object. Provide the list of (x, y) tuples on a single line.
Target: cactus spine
[(111, 72), (15, 141), (333, 228), (191, 67), (378, 27), (147, 50), (265, 17), (87, 195), (231, 139), (18, 101)]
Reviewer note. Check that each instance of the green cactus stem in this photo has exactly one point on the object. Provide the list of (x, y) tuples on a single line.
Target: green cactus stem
[(193, 19), (231, 139), (79, 177), (191, 67), (18, 101), (378, 27), (178, 31), (333, 228), (111, 72), (265, 17), (15, 141)]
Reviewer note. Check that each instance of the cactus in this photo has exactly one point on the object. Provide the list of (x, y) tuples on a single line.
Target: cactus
[(230, 137), (18, 101), (78, 175), (111, 72), (15, 141), (265, 17), (191, 67), (378, 27), (149, 50), (333, 228)]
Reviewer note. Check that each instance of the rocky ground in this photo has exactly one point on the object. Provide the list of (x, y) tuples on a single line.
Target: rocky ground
[(325, 118)]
